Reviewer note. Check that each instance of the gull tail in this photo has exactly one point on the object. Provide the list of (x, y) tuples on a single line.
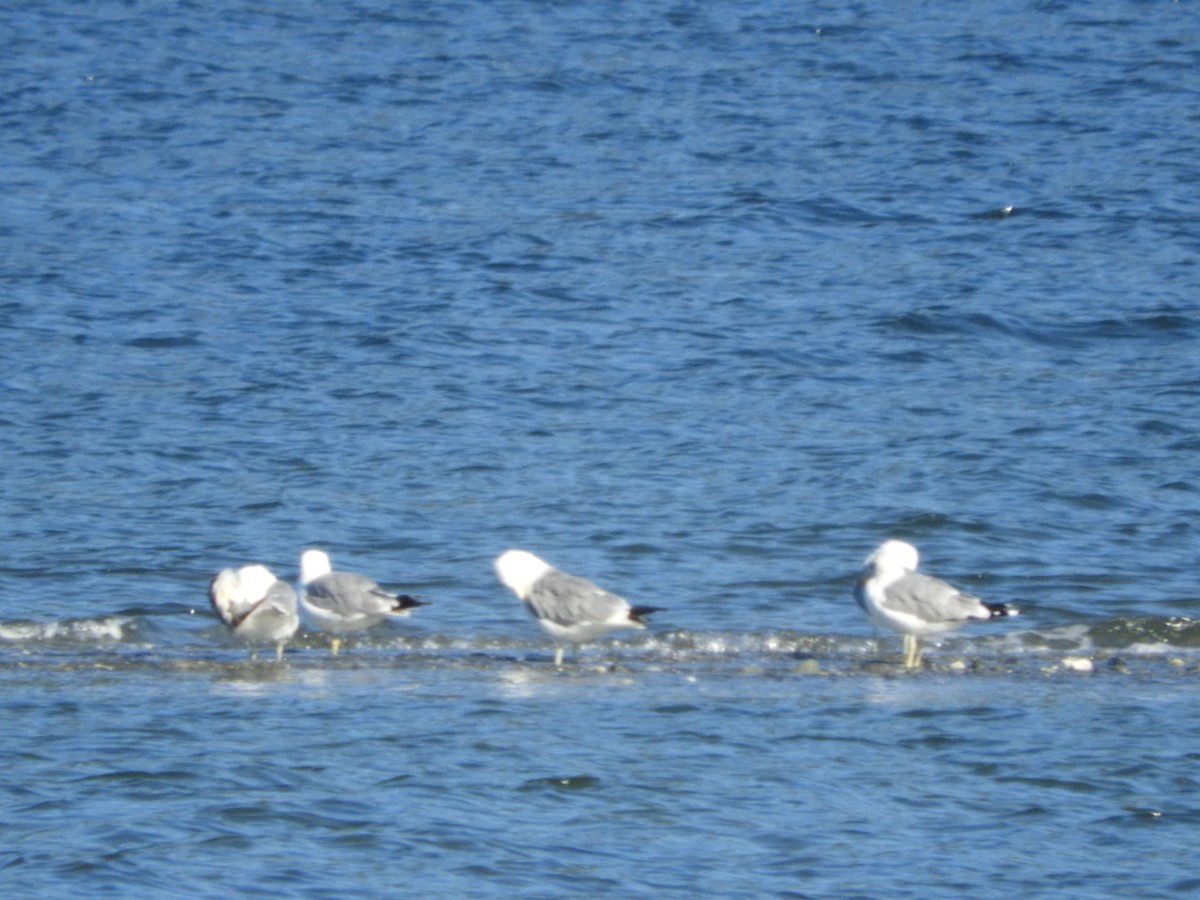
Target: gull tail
[(637, 613), (404, 601), (1002, 609), (400, 603)]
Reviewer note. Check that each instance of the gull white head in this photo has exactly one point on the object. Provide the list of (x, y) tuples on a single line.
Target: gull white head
[(894, 557), (226, 587), (520, 570), (314, 564), (255, 581), (249, 584)]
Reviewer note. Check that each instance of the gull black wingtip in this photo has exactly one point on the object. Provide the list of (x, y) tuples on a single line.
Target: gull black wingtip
[(638, 613), (400, 602)]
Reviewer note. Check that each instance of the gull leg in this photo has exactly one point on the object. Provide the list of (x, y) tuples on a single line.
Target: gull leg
[(334, 643), (279, 652), (912, 652), (558, 656)]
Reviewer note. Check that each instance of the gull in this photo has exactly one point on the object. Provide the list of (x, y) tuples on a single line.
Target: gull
[(255, 605), (341, 602), (568, 607), (894, 594)]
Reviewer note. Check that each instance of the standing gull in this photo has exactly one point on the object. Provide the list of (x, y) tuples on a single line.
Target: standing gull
[(568, 607), (255, 605), (342, 602), (894, 594)]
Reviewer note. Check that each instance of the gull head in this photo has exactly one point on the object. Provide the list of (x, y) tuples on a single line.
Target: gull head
[(893, 556), (225, 588), (255, 582), (520, 570), (248, 584), (314, 564)]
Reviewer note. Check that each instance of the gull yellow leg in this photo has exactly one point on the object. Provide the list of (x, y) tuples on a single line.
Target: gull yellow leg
[(334, 643), (912, 652)]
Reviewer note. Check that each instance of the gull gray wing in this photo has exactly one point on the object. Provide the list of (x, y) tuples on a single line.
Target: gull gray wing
[(272, 618), (281, 596), (570, 600), (932, 599), (347, 593)]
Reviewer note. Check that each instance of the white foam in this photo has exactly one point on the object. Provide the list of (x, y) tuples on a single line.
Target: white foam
[(83, 631)]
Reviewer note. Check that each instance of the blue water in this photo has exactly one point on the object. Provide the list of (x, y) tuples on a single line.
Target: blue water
[(699, 301)]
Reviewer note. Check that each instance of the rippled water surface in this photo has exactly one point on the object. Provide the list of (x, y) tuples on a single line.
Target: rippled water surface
[(699, 301)]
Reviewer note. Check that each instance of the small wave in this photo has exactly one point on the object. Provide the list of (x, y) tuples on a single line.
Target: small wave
[(1147, 633), (163, 342), (70, 631), (940, 323), (1154, 326)]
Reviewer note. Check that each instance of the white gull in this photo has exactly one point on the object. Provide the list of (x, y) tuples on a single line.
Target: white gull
[(568, 607), (255, 605), (895, 595), (343, 602)]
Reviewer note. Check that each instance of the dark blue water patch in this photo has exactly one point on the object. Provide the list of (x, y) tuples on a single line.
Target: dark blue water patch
[(1053, 333), (1148, 327), (1002, 212), (934, 323), (562, 784)]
